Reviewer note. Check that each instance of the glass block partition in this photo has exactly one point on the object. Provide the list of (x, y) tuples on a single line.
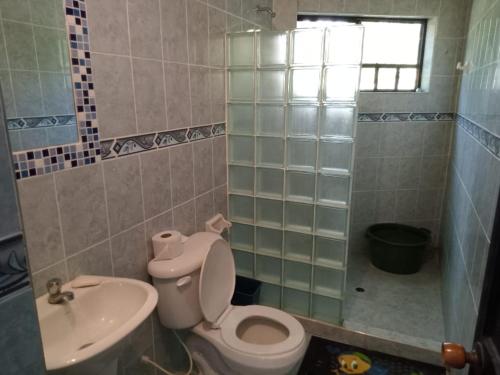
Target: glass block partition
[(291, 128)]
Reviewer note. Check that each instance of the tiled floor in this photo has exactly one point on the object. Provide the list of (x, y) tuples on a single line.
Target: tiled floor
[(402, 308)]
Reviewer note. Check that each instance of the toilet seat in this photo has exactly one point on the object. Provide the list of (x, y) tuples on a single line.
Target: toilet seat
[(237, 315)]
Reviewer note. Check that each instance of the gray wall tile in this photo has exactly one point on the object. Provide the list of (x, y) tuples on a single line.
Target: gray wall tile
[(144, 23), (94, 261), (80, 193), (217, 37), (149, 95), (114, 95), (178, 96), (129, 254), (204, 210), (156, 182), (203, 167), (108, 26), (197, 15), (123, 193), (219, 161), (200, 94), (173, 16), (185, 218), (181, 161), (41, 221)]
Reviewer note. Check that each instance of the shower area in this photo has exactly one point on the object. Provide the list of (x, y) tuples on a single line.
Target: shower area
[(292, 110)]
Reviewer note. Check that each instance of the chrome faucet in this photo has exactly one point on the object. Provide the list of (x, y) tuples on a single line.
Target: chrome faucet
[(55, 294)]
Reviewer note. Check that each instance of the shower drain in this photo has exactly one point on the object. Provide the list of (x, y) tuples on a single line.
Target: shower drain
[(85, 346), (359, 289)]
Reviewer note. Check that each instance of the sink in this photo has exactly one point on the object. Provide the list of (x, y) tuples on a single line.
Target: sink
[(83, 336)]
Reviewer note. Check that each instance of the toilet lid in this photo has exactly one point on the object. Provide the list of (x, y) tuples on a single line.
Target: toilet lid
[(217, 281)]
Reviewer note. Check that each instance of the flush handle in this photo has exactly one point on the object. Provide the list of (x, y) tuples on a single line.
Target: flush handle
[(183, 281)]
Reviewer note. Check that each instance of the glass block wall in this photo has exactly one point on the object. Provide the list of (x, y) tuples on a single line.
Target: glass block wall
[(291, 128)]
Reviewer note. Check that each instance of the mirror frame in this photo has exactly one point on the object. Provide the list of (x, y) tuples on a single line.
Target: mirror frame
[(87, 150)]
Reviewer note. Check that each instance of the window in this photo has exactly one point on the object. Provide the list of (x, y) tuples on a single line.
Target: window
[(392, 50)]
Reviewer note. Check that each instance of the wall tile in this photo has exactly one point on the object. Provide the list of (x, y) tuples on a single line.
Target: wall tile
[(428, 7), (144, 21), (452, 23), (234, 7), (219, 161), (367, 140), (356, 6), (406, 204), (94, 261), (404, 7), (181, 161), (409, 173), (123, 193), (128, 251), (80, 193), (178, 96), (220, 200), (436, 139), (331, 5), (200, 94), (364, 207), (429, 204), (185, 218), (47, 13), (20, 34), (433, 172), (204, 210), (217, 30), (365, 173), (309, 5), (380, 7), (173, 16), (108, 26), (16, 10), (41, 221), (114, 95), (27, 93), (203, 167), (387, 173), (149, 95), (51, 50), (57, 94), (218, 95), (197, 32), (156, 182), (385, 209)]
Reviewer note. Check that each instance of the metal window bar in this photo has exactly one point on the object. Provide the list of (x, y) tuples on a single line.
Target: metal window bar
[(359, 20)]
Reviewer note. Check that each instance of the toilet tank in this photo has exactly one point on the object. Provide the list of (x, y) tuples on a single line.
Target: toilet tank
[(178, 305), (177, 281)]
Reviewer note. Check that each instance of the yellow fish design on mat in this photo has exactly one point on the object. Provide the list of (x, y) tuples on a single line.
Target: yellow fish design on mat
[(354, 363)]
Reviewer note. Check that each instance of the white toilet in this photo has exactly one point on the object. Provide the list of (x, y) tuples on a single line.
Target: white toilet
[(195, 291)]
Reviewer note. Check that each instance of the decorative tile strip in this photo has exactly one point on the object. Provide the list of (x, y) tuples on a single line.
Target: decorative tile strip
[(405, 116), (40, 122), (87, 151), (489, 140), (112, 148)]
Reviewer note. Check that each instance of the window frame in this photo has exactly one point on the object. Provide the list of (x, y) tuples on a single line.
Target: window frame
[(358, 20)]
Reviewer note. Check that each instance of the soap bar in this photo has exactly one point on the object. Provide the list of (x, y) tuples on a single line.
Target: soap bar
[(86, 281)]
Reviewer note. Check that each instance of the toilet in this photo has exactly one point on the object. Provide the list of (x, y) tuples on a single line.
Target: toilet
[(195, 291)]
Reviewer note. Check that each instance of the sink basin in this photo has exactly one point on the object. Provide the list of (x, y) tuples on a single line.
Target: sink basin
[(82, 334)]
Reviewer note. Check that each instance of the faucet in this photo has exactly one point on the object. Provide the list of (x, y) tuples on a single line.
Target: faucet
[(55, 294)]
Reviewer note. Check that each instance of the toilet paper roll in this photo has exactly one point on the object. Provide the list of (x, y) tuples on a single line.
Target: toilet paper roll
[(167, 245)]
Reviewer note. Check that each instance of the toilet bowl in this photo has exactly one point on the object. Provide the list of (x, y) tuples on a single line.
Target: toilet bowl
[(196, 289)]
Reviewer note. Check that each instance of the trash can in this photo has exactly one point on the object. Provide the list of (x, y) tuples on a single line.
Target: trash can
[(246, 291), (398, 248)]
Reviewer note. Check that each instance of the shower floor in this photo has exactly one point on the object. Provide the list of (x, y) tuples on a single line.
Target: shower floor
[(402, 308)]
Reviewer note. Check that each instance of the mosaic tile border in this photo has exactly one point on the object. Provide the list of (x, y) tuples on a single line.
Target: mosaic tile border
[(87, 151), (405, 116), (489, 140), (22, 123), (112, 148)]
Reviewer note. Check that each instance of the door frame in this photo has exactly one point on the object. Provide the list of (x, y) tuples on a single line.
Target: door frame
[(488, 324)]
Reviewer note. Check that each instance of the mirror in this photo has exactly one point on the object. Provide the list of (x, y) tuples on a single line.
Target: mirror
[(35, 74)]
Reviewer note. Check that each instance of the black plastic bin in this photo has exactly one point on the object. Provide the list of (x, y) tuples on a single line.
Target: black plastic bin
[(398, 248), (246, 292)]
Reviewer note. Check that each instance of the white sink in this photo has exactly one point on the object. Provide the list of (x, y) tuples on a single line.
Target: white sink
[(84, 334)]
